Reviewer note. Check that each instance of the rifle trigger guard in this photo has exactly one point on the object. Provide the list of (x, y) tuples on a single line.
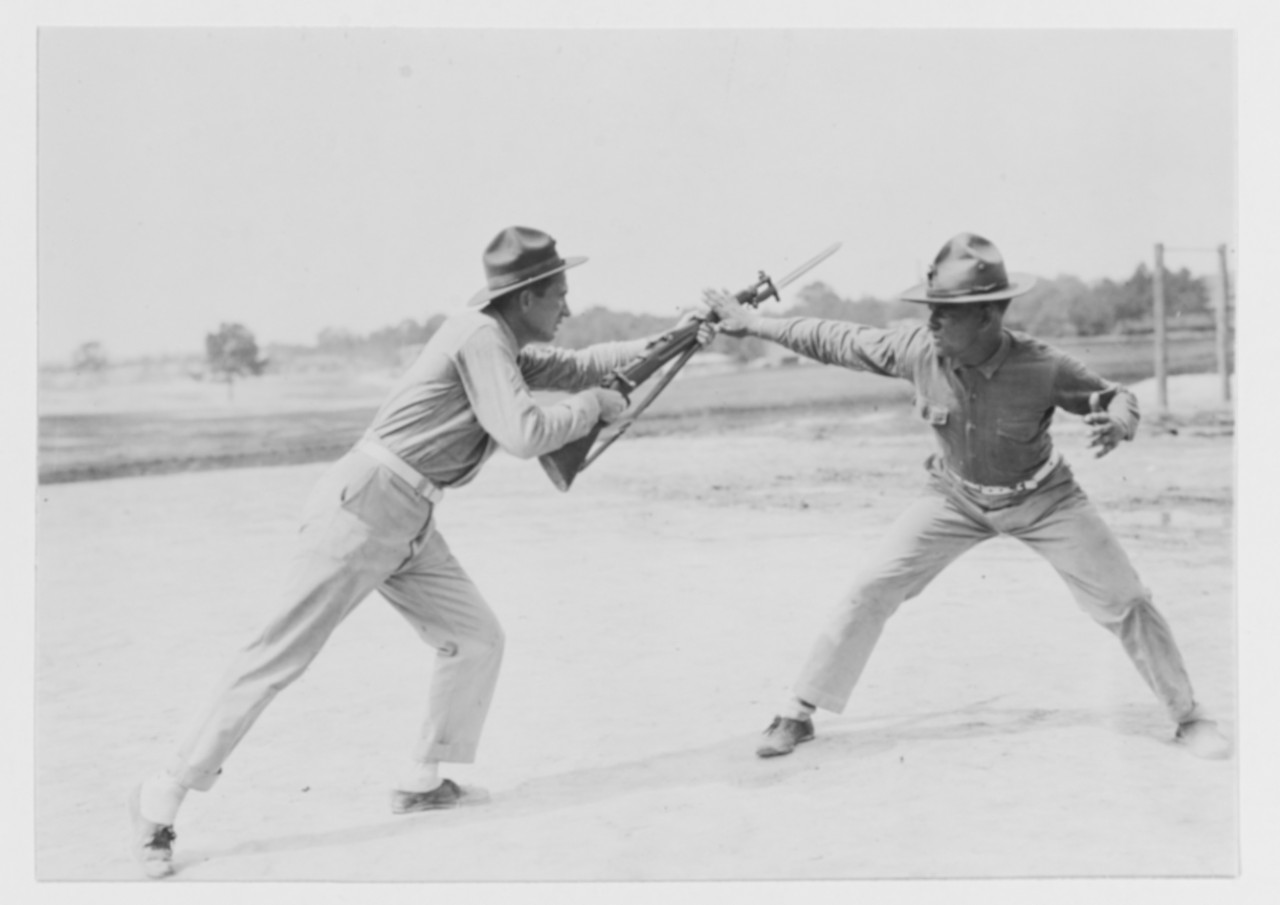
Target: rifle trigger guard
[(626, 384)]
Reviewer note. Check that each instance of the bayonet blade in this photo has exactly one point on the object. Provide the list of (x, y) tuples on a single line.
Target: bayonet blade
[(807, 266)]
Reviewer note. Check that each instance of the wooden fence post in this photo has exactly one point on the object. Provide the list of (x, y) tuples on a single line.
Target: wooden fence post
[(1157, 315), (1223, 328)]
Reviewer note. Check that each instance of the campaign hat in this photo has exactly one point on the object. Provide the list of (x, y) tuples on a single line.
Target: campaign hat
[(517, 257), (969, 268)]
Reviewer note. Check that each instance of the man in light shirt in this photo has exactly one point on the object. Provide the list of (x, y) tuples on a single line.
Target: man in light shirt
[(989, 395), (369, 526)]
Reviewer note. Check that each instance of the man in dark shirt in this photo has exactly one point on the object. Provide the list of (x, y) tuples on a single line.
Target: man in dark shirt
[(989, 394)]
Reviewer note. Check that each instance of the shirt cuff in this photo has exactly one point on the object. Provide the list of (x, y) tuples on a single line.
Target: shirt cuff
[(1128, 422), (1124, 411)]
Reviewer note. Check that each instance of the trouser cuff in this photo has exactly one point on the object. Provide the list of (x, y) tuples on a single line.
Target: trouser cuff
[(821, 699), (193, 777)]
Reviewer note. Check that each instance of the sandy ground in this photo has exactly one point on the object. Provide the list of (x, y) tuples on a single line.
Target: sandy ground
[(656, 616)]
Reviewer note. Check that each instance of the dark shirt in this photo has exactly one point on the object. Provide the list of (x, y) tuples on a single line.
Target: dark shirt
[(991, 421)]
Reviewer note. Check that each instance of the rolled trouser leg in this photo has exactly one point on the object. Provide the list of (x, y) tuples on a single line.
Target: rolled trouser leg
[(435, 594)]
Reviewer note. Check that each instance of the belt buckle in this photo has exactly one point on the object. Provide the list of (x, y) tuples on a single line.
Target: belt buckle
[(988, 490)]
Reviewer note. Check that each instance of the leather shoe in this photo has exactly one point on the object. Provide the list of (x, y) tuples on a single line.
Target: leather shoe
[(150, 843), (446, 795), (1202, 738), (783, 734)]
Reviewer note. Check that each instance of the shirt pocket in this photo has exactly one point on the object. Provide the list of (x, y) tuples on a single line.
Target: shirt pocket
[(1023, 430), (935, 414), (387, 504)]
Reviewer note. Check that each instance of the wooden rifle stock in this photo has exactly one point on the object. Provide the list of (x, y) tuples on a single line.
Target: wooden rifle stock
[(563, 465)]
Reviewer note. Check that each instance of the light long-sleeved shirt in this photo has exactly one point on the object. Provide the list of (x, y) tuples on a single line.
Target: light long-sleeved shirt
[(468, 393), (992, 420)]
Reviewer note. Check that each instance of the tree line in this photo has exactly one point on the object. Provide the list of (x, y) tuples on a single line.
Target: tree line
[(1062, 306)]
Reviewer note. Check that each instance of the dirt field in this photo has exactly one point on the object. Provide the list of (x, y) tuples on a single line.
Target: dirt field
[(656, 616)]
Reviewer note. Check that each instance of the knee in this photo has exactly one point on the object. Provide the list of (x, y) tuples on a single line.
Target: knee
[(1120, 603), (869, 602), (485, 641), (495, 639), (1119, 612)]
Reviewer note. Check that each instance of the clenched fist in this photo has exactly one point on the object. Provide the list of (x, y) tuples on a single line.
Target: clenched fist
[(612, 403), (706, 330)]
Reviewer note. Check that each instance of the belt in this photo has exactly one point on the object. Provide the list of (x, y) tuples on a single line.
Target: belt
[(1031, 483), (402, 469)]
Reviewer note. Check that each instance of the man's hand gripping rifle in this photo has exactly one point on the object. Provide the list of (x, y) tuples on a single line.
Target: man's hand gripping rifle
[(677, 347)]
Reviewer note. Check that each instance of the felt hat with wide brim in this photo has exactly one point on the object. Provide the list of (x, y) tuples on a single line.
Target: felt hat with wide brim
[(969, 268), (517, 257)]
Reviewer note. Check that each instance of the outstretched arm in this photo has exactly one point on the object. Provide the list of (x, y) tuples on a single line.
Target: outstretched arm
[(554, 368), (849, 345)]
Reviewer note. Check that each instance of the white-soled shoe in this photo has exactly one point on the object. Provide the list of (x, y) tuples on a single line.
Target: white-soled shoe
[(1202, 738), (151, 844)]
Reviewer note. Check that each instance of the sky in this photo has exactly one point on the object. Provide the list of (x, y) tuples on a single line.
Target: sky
[(296, 179)]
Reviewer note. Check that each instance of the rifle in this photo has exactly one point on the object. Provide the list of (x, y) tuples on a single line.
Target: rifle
[(678, 345)]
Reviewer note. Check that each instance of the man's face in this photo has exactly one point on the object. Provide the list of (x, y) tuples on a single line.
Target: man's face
[(955, 328), (544, 313)]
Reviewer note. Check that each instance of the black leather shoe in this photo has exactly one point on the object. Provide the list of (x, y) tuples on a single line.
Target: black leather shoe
[(446, 795), (151, 844), (783, 735)]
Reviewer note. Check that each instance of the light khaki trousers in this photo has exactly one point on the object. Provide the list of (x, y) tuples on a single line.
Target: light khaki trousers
[(363, 530), (1059, 523)]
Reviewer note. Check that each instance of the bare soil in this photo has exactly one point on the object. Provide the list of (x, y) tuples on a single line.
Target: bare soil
[(656, 616)]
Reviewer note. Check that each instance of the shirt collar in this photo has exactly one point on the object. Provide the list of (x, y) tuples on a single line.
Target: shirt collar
[(505, 329), (989, 367)]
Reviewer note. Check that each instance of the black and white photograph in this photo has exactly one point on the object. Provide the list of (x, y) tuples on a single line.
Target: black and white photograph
[(503, 453)]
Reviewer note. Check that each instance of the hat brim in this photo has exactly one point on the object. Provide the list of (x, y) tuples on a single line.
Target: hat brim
[(1018, 284), (484, 296)]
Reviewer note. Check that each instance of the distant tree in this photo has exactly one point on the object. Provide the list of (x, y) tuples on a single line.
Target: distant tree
[(233, 352), (1134, 299), (431, 326), (1064, 306), (820, 300), (89, 358), (338, 340), (598, 325), (384, 345), (1186, 293)]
